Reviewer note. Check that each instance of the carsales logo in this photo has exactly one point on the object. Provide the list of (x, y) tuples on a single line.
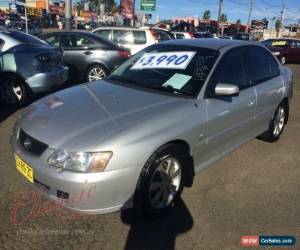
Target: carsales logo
[(250, 241)]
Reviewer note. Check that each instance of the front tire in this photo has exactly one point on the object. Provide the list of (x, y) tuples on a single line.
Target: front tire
[(161, 181), (277, 124), (13, 91)]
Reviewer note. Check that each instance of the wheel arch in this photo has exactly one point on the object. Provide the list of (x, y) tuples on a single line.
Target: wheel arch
[(285, 102), (14, 74), (189, 158)]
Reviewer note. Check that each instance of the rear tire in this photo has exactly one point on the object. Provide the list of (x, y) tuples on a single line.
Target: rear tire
[(277, 124), (161, 181), (13, 91), (96, 72)]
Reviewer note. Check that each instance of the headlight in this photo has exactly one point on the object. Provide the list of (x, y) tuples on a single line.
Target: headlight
[(80, 161), (276, 53)]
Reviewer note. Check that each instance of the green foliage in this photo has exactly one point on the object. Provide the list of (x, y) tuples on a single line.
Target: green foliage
[(223, 18), (206, 15)]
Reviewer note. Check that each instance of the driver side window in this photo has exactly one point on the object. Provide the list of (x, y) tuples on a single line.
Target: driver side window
[(229, 71)]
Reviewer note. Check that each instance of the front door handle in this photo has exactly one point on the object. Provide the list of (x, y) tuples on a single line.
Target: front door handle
[(88, 53)]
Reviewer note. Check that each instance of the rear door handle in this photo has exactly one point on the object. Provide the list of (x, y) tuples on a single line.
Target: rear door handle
[(88, 53)]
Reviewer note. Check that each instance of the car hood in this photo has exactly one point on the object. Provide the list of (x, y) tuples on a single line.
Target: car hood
[(82, 117)]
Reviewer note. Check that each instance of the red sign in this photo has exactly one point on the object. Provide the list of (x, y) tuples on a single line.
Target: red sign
[(127, 8), (249, 241)]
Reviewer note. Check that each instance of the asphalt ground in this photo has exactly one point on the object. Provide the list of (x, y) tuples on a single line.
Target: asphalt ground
[(255, 190)]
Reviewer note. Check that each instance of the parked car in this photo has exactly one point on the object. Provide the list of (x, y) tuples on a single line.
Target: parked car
[(132, 38), (286, 50), (225, 37), (88, 56), (244, 37), (183, 35), (32, 29), (27, 66), (138, 138), (203, 35)]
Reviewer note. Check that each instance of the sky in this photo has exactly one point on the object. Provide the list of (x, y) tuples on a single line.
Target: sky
[(235, 9)]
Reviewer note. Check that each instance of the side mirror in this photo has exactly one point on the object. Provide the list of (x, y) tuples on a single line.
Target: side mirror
[(223, 89)]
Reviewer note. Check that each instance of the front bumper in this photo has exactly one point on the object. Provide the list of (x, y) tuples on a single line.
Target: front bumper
[(93, 193), (45, 81)]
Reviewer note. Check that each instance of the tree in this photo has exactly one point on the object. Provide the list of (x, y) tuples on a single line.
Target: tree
[(223, 18), (278, 25), (206, 15), (110, 6), (238, 24), (265, 19)]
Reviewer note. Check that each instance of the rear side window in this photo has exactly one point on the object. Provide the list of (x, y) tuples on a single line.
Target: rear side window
[(76, 42), (123, 37), (53, 40), (230, 70), (103, 33), (139, 37), (162, 36), (262, 66), (179, 36)]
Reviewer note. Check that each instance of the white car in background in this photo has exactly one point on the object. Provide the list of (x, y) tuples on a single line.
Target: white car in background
[(183, 35), (133, 39)]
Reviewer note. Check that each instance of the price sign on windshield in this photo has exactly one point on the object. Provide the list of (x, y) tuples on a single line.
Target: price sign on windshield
[(164, 60)]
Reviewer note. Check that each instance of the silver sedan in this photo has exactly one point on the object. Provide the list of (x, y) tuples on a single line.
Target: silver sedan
[(139, 137)]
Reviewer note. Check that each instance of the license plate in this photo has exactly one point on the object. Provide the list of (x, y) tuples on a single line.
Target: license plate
[(24, 168)]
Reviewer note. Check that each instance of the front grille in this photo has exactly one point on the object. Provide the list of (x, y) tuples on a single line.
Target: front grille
[(30, 144)]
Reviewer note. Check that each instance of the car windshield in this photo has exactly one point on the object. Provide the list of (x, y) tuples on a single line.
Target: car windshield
[(279, 43), (180, 70)]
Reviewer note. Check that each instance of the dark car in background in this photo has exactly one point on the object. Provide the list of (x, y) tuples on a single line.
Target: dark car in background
[(88, 56), (32, 29), (244, 37), (27, 66), (286, 50)]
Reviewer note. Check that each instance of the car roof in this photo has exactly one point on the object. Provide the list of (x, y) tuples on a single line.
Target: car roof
[(118, 28), (209, 43)]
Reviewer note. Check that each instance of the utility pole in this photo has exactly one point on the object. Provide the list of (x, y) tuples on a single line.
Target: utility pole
[(26, 18), (133, 14), (250, 13), (282, 13), (219, 15), (68, 15)]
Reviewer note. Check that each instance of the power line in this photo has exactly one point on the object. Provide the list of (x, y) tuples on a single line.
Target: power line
[(270, 5)]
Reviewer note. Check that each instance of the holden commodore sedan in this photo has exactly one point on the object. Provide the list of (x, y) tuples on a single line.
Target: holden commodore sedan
[(139, 137)]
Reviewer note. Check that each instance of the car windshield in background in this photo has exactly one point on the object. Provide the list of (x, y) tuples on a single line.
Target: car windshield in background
[(25, 38), (172, 69), (279, 43)]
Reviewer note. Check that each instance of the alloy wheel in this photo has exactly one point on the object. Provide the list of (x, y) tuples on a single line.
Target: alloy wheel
[(11, 92), (96, 73), (279, 122), (165, 183)]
